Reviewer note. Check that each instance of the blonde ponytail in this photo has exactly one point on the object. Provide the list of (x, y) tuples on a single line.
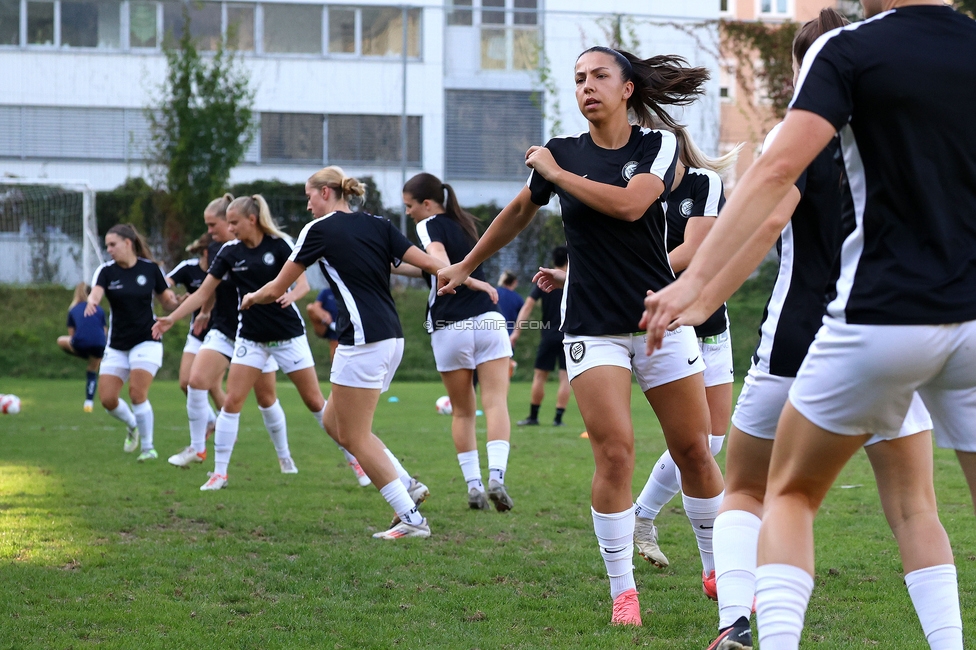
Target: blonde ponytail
[(256, 206), (335, 178), (691, 156), (218, 207)]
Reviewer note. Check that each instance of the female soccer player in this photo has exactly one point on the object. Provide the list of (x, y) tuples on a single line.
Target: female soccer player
[(356, 251), (902, 316), (129, 282), (468, 334), (697, 195), (85, 339), (213, 358), (550, 352), (612, 182)]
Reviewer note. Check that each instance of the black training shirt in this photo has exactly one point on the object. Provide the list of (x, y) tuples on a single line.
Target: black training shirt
[(130, 294), (699, 194), (612, 262), (224, 315), (901, 90), (355, 251), (466, 303), (189, 274), (249, 269)]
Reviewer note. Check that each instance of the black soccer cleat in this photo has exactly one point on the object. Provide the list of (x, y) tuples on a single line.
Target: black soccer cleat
[(528, 422), (737, 636)]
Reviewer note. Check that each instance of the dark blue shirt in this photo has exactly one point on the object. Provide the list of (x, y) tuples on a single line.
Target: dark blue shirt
[(509, 304), (327, 299), (90, 330)]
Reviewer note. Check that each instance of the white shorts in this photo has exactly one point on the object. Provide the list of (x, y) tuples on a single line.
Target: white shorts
[(367, 366), (860, 379), (764, 395), (220, 343), (717, 353), (147, 356), (679, 356), (471, 342), (290, 355), (192, 345)]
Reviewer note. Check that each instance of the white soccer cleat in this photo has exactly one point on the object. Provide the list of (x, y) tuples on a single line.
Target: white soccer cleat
[(88, 406), (216, 482), (404, 529), (418, 491), (645, 539), (360, 474), (187, 457), (287, 466), (499, 496), (131, 440)]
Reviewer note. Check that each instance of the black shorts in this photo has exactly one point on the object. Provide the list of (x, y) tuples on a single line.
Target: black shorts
[(86, 351), (550, 352)]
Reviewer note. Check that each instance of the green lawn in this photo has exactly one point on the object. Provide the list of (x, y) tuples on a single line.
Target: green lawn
[(96, 549)]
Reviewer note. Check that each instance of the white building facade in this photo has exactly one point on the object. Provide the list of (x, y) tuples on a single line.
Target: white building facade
[(479, 82)]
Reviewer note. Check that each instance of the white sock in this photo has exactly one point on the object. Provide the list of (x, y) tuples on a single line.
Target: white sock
[(736, 542), (320, 415), (196, 412), (225, 435), (145, 420), (345, 452), (277, 426), (396, 495), (661, 486), (701, 513), (782, 594), (935, 595), (124, 413), (211, 414), (471, 468), (497, 460), (404, 476), (715, 444), (615, 534)]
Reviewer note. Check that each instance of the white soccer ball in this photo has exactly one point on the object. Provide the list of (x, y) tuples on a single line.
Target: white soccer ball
[(443, 405), (9, 404)]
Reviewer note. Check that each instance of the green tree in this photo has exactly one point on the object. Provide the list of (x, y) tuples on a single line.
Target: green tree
[(201, 127)]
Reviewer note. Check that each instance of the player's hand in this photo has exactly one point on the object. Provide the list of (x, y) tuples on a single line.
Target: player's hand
[(286, 299), (90, 309), (480, 285), (549, 279), (247, 301), (663, 309), (449, 278), (200, 323), (540, 159), (161, 326)]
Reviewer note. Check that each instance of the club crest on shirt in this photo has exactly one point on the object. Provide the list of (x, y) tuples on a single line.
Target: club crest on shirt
[(268, 258), (241, 352), (685, 207), (628, 170), (141, 280), (577, 351)]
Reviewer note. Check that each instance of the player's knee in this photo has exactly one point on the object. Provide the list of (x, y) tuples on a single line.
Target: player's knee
[(618, 454), (234, 403), (692, 456)]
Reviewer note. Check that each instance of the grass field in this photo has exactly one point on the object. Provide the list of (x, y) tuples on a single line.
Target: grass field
[(96, 549)]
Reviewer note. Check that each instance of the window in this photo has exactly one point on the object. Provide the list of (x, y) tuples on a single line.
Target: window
[(726, 7), (44, 132), (726, 80), (372, 139), (9, 22), (342, 31), (291, 137), (40, 23), (509, 35), (487, 133), (293, 29), (90, 24), (204, 23), (142, 24), (383, 32), (240, 27), (774, 7), (460, 13)]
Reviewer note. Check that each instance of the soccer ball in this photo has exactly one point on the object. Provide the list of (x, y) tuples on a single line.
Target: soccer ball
[(9, 404), (443, 405)]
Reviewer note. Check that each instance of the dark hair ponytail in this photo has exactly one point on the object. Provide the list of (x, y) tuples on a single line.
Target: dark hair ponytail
[(811, 30), (128, 231), (660, 80), (424, 186)]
